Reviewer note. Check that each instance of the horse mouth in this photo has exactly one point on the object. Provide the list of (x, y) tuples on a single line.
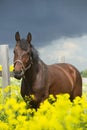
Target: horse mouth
[(18, 74)]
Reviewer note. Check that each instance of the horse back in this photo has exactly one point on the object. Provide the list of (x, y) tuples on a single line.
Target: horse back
[(63, 78)]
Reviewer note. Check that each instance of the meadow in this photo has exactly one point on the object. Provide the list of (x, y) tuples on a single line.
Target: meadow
[(53, 114)]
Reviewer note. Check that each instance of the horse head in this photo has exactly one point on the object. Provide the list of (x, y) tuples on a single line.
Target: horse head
[(22, 55)]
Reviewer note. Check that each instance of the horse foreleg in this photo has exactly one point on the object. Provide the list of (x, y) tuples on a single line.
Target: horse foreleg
[(39, 96)]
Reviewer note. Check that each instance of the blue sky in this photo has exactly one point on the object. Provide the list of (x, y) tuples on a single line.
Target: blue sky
[(58, 27)]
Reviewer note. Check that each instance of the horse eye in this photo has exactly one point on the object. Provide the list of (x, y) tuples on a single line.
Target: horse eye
[(25, 56), (28, 53), (14, 51)]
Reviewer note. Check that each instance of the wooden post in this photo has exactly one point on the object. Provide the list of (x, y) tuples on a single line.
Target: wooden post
[(4, 56), (61, 59)]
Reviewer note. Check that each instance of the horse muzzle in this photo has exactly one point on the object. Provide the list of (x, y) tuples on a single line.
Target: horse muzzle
[(18, 74)]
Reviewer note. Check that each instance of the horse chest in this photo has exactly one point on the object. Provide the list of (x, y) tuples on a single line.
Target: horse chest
[(26, 89)]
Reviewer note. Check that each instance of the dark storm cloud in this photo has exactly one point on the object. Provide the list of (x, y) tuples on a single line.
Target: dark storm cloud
[(47, 20)]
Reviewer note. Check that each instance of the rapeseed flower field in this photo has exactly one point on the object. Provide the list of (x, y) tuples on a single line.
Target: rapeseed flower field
[(53, 114)]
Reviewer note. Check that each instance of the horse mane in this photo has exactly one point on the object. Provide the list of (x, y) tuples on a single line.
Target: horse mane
[(34, 54), (35, 59)]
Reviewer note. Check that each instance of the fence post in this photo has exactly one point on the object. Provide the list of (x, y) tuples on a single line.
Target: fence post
[(4, 54), (61, 59)]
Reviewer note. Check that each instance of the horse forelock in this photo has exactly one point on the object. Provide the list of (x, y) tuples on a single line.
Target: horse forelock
[(24, 44)]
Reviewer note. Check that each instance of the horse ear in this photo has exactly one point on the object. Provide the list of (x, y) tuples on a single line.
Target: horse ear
[(17, 36), (29, 37)]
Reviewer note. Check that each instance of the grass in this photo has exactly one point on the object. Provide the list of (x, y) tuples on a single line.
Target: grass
[(13, 82)]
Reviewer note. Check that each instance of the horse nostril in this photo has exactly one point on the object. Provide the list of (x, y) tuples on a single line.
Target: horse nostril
[(18, 74)]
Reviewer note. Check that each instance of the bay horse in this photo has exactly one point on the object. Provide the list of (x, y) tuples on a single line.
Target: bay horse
[(40, 79)]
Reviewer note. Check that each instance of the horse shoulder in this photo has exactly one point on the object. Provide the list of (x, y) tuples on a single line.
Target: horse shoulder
[(40, 87)]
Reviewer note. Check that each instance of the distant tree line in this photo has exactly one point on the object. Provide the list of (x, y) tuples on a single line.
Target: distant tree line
[(84, 73)]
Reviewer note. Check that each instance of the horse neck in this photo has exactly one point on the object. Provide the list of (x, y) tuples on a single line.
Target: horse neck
[(30, 74)]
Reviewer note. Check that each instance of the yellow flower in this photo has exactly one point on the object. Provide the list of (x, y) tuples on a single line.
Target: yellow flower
[(11, 68), (0, 68), (53, 114), (4, 126)]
